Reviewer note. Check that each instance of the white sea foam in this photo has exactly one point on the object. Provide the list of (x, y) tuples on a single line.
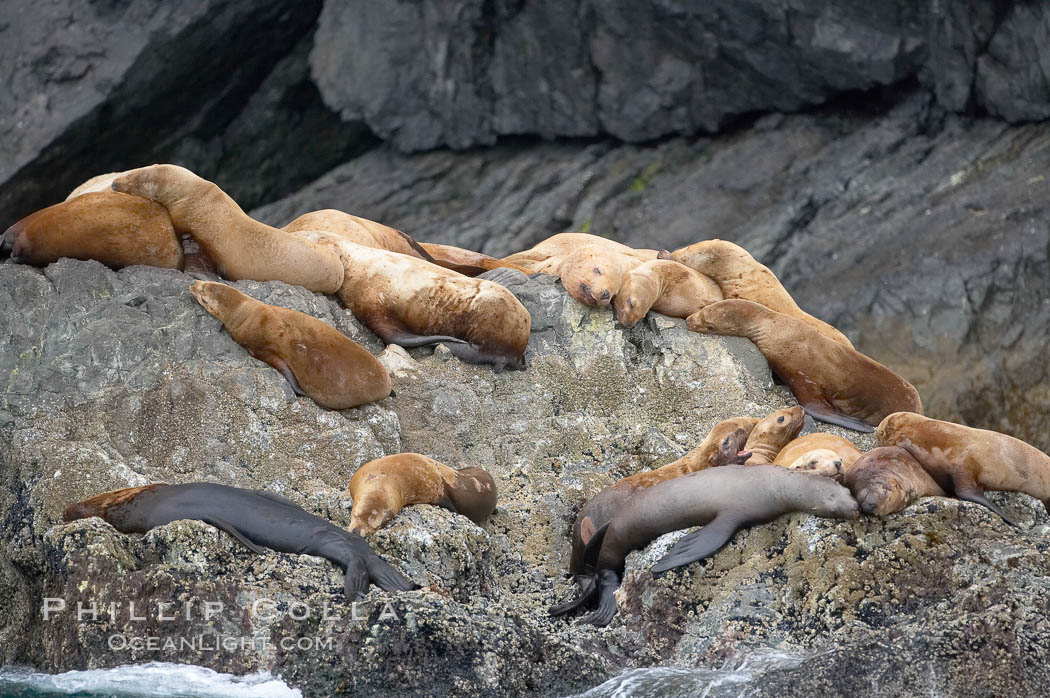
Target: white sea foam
[(152, 679)]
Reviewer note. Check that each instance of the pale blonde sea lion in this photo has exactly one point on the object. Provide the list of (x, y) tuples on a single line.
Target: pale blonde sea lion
[(797, 449), (240, 246)]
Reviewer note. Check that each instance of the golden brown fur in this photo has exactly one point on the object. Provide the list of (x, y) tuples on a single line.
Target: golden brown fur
[(833, 382), (241, 247), (355, 229), (664, 286), (466, 261), (318, 360), (820, 461), (411, 302), (384, 486), (772, 433), (115, 229), (795, 449), (741, 276)]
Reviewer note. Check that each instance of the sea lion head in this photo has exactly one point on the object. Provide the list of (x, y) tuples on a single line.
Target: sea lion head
[(878, 480), (217, 298), (821, 461), (591, 275), (780, 427), (733, 451), (825, 497), (637, 294), (888, 431), (732, 317)]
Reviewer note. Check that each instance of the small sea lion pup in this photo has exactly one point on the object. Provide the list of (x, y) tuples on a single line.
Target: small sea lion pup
[(967, 461), (742, 276), (834, 383), (722, 500), (809, 453), (411, 302), (886, 479), (257, 519), (384, 486), (319, 361), (666, 287), (723, 445), (115, 229), (772, 433), (241, 247)]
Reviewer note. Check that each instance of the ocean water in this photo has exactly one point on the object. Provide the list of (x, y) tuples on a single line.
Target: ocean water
[(140, 680)]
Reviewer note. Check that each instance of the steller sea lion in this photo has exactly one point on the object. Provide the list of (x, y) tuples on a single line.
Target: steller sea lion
[(741, 276), (772, 432), (359, 230), (886, 479), (722, 446), (819, 461), (834, 383), (384, 486), (967, 461), (590, 274), (411, 302), (564, 243), (115, 229), (722, 500), (318, 360), (240, 246), (664, 286), (846, 451), (255, 518)]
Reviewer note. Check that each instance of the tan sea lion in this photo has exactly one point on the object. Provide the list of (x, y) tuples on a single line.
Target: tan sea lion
[(845, 450), (590, 274), (241, 247), (466, 261), (102, 182), (886, 479), (722, 500), (115, 229), (411, 302), (255, 518), (384, 486), (563, 244), (967, 461), (359, 230), (741, 276), (820, 461), (666, 287), (318, 360), (834, 383), (772, 433)]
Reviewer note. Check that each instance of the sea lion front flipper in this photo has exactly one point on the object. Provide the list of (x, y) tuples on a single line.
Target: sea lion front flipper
[(586, 591), (608, 582), (822, 413), (282, 367), (445, 501), (386, 577), (967, 489), (355, 584), (594, 545), (228, 528), (698, 545)]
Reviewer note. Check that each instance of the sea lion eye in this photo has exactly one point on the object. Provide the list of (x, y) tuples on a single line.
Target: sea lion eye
[(780, 419), (630, 302), (597, 271)]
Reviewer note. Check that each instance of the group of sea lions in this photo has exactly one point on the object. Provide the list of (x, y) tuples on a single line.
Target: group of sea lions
[(746, 471)]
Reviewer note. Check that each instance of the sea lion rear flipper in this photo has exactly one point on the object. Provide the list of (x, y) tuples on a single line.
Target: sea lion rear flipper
[(967, 489), (698, 545), (608, 581), (586, 591), (228, 528), (417, 247), (823, 413), (392, 333), (386, 577)]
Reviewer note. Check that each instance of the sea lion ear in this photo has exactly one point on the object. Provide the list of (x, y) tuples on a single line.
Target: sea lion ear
[(663, 254)]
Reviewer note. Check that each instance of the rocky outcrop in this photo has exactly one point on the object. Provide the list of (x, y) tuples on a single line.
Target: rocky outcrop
[(119, 378)]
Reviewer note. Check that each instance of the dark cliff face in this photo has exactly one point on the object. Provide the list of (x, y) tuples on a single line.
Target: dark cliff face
[(907, 205)]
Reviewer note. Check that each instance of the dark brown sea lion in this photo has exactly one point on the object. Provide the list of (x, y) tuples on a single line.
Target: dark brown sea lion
[(833, 382), (318, 360), (967, 461), (772, 433), (411, 302), (256, 518), (666, 287), (722, 500), (741, 276), (886, 479), (115, 229), (240, 246), (382, 487), (723, 445)]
